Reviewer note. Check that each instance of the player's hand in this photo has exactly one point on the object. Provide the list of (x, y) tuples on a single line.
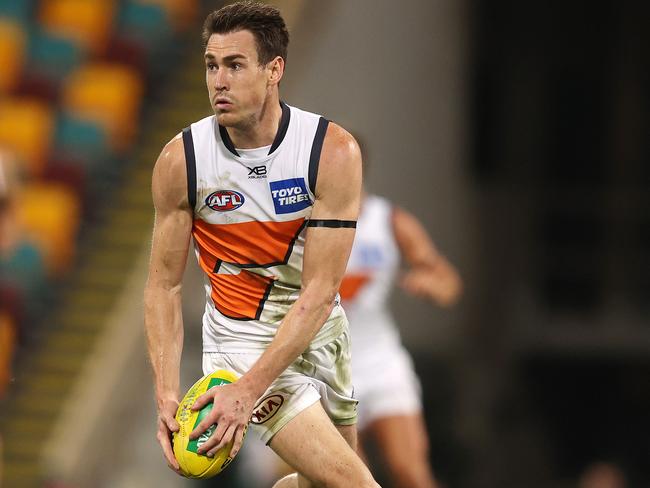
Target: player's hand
[(231, 411), (166, 425), (440, 286)]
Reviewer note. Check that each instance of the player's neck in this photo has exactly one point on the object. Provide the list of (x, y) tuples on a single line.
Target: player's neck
[(261, 129)]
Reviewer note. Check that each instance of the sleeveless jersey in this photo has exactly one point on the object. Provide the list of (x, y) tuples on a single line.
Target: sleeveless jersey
[(250, 216), (369, 277)]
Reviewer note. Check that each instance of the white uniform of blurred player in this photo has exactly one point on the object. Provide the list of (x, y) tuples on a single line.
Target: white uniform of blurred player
[(388, 390)]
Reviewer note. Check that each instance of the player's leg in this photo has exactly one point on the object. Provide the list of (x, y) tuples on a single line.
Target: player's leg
[(321, 453), (389, 413), (404, 446), (349, 433)]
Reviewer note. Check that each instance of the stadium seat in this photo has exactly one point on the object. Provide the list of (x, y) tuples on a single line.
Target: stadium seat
[(21, 267), (80, 139), (147, 23), (51, 55), (108, 94), (26, 127), (12, 47), (18, 10), (88, 22), (180, 12), (49, 214)]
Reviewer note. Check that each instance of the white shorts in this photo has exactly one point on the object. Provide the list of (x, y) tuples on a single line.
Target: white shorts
[(385, 383), (320, 374)]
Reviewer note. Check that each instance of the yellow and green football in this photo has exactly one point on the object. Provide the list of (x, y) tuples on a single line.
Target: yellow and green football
[(192, 464)]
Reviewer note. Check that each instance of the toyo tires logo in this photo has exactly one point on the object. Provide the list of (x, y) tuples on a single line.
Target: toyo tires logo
[(224, 200)]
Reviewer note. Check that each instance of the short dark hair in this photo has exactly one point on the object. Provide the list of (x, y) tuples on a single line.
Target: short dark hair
[(264, 21)]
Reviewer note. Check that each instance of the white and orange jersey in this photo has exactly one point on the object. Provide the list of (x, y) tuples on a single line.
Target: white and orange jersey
[(250, 216), (370, 276)]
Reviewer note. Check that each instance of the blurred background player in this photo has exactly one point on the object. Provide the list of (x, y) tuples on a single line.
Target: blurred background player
[(386, 385), (391, 422)]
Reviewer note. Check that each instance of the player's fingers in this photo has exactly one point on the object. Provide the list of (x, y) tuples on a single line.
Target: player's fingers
[(238, 441), (225, 439), (164, 440), (171, 459), (171, 423), (208, 420), (214, 438), (203, 400)]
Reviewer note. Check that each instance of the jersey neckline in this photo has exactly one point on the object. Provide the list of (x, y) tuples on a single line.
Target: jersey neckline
[(279, 136)]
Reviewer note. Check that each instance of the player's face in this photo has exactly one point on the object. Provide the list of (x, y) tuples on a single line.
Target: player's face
[(237, 84)]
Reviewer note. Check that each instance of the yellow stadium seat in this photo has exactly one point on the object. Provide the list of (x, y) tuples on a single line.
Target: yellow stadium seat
[(49, 214), (182, 13), (26, 127), (109, 94), (89, 22), (12, 52)]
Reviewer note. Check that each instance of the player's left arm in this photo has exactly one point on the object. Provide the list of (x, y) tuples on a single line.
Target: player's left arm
[(430, 274), (327, 248)]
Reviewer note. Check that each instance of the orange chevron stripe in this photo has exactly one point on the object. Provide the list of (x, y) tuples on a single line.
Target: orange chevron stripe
[(351, 285), (260, 243), (247, 242), (239, 296)]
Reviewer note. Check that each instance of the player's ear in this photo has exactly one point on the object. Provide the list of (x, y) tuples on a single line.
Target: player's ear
[(276, 70)]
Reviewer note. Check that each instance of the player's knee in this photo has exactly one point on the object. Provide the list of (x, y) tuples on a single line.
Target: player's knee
[(290, 481)]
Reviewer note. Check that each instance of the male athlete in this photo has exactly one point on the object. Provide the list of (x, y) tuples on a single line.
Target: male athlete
[(270, 195)]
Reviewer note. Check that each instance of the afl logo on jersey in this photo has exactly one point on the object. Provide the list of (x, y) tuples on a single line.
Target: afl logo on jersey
[(224, 200)]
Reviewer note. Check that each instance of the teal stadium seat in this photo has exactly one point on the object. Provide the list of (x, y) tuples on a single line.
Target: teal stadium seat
[(145, 23), (23, 268), (53, 56), (18, 10), (83, 141)]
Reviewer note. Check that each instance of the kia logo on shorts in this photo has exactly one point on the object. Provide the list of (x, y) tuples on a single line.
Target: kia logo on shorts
[(266, 409), (224, 200)]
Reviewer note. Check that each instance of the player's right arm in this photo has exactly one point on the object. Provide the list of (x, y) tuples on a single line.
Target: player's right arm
[(163, 319)]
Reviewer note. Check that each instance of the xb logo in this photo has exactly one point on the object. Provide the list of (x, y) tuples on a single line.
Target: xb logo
[(257, 172)]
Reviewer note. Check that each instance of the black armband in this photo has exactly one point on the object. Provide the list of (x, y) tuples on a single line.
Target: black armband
[(333, 224)]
